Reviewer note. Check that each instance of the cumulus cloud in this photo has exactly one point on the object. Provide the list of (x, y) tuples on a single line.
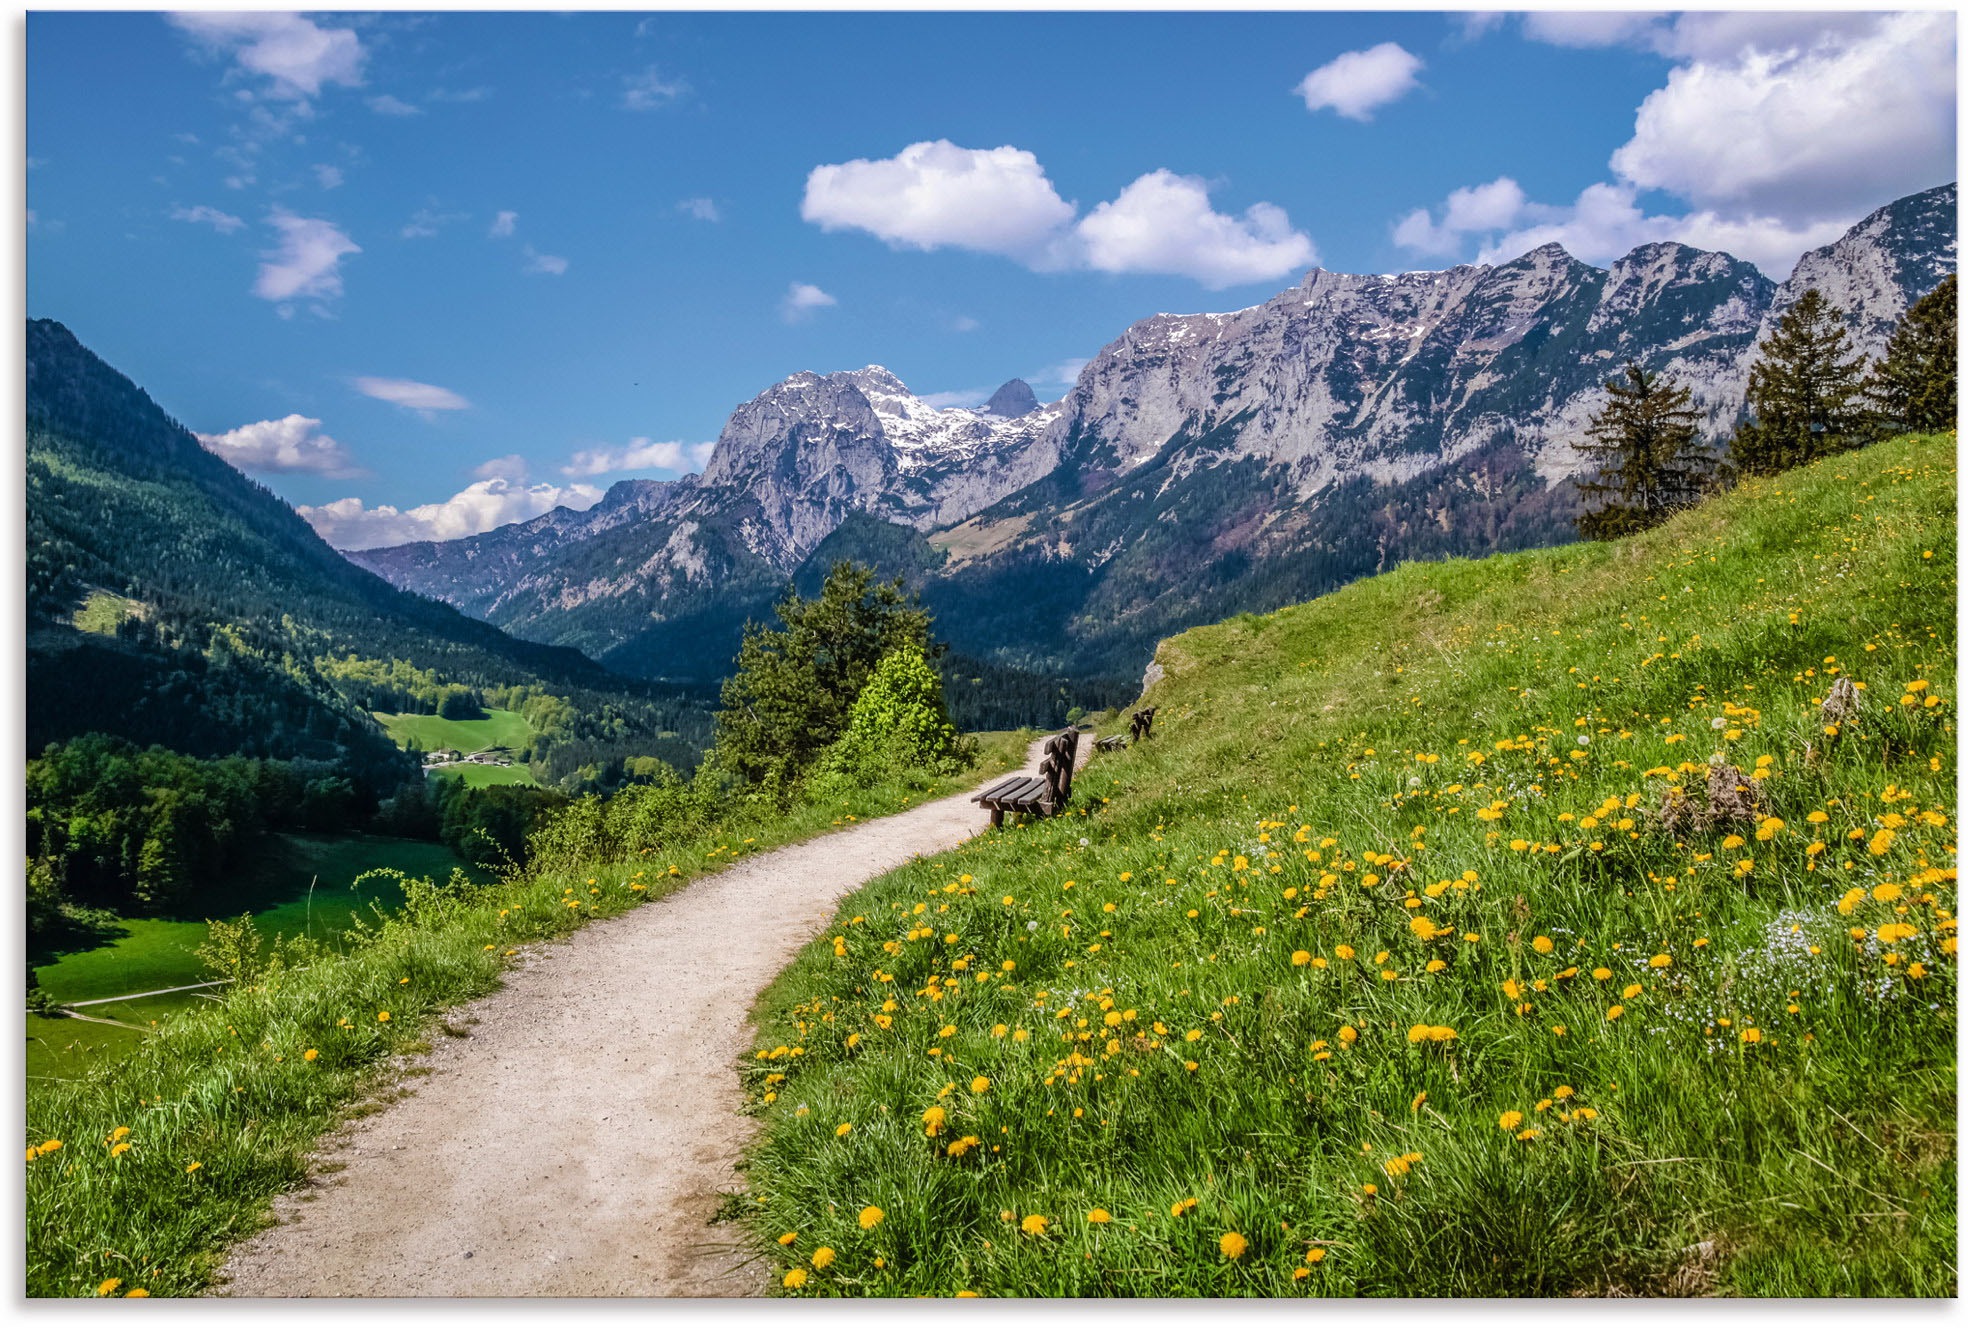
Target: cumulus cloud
[(290, 52), (305, 263), (1778, 130), (503, 225), (222, 222), (294, 443), (348, 523), (966, 397), (936, 194), (396, 106), (649, 90), (1066, 372), (700, 209), (638, 454), (512, 466), (1810, 130), (410, 395), (539, 264), (1359, 82), (933, 195), (802, 301), (1163, 223), (1593, 27), (328, 177)]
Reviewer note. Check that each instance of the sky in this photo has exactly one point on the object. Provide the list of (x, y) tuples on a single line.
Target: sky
[(423, 274)]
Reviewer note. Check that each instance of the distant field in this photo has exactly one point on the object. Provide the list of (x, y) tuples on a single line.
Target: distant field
[(483, 776), (156, 953), (499, 728)]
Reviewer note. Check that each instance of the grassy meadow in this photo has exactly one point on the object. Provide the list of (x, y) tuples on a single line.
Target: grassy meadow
[(154, 954), (499, 728), (1513, 927), (141, 1171)]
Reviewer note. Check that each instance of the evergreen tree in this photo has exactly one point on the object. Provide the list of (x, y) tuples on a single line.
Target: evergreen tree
[(1912, 390), (1649, 463), (791, 690), (1804, 397)]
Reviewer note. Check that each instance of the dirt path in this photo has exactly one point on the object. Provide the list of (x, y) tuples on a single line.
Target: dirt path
[(576, 1141)]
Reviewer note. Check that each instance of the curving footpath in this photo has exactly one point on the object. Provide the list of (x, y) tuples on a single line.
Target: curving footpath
[(577, 1140)]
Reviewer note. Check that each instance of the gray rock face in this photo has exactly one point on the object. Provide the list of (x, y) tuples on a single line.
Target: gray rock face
[(1343, 379), (1013, 401)]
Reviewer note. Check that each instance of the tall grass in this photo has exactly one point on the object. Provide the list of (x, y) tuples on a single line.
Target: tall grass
[(1413, 957), (168, 1156)]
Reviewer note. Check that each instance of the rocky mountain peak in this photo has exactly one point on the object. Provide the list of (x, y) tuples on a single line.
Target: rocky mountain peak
[(1014, 400)]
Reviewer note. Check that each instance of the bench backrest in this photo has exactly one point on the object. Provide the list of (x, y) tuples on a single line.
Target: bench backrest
[(1061, 751)]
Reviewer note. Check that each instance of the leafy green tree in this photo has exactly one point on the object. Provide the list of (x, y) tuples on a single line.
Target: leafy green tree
[(789, 696), (1650, 464), (898, 722), (1805, 392), (1912, 390)]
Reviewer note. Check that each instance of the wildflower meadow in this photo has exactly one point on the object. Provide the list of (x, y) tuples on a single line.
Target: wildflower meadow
[(1574, 921)]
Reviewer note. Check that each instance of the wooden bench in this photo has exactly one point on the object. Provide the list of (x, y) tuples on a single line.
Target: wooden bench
[(1113, 744), (1046, 795), (1141, 721)]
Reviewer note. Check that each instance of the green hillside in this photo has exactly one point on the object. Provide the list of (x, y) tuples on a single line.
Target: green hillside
[(172, 600), (1424, 952), (499, 728)]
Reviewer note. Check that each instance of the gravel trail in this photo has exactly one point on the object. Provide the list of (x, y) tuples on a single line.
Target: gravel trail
[(575, 1142)]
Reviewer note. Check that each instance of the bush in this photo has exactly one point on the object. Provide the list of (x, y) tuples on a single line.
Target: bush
[(898, 723)]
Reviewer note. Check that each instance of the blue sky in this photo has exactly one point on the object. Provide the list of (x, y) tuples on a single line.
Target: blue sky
[(426, 273)]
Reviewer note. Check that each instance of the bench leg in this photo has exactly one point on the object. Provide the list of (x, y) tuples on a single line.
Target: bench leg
[(997, 817)]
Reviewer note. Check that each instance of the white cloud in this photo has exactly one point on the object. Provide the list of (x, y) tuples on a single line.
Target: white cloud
[(411, 395), (539, 264), (426, 222), (964, 323), (1065, 372), (306, 263), (512, 466), (328, 177), (294, 443), (222, 222), (648, 90), (802, 301), (1482, 209), (1807, 131), (290, 52), (999, 201), (1587, 28), (701, 209), (1163, 223), (1357, 83), (933, 194), (482, 505), (638, 454), (503, 225), (1778, 130), (388, 105)]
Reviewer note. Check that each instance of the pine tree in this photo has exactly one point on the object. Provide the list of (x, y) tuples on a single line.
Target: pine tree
[(1649, 463), (1804, 397), (1912, 390)]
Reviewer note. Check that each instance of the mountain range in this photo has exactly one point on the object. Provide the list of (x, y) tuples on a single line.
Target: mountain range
[(1202, 464)]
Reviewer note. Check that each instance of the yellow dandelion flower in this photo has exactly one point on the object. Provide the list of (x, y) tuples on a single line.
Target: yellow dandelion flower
[(842, 1130), (310, 1055), (108, 1285), (1615, 1012), (1034, 1225), (788, 1237), (795, 1279), (979, 1084), (1232, 1245), (1182, 1207), (1543, 944), (136, 1293), (1510, 1120), (1300, 958), (192, 1166), (1317, 1254), (871, 1217), (382, 1016), (823, 1256), (1100, 1217), (1660, 961), (119, 1149)]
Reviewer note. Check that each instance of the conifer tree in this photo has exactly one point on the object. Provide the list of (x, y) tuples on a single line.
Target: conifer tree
[(1804, 397), (1649, 463), (1912, 390)]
